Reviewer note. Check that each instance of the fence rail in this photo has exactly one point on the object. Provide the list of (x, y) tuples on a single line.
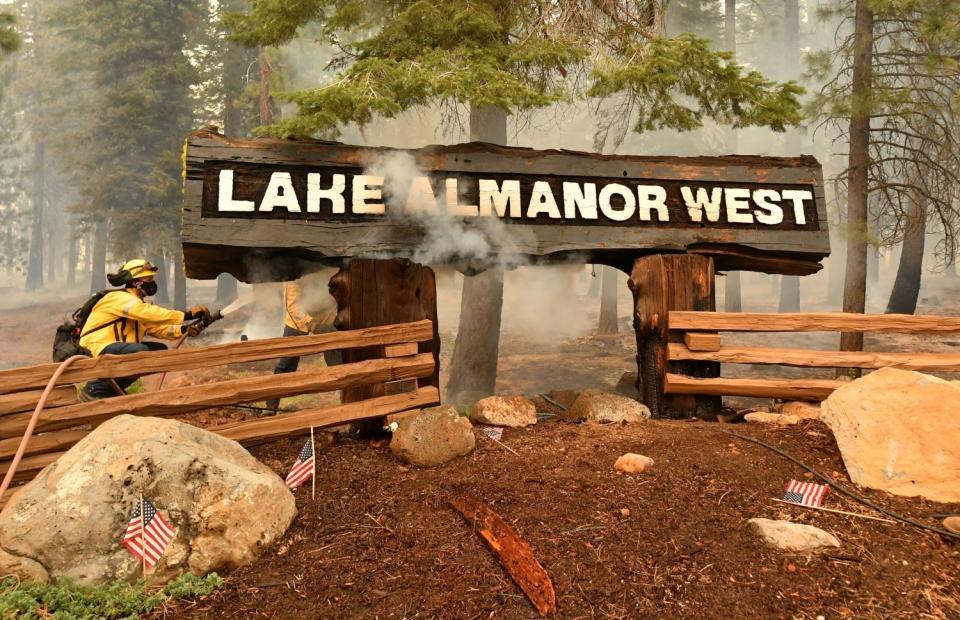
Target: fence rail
[(405, 359), (695, 345)]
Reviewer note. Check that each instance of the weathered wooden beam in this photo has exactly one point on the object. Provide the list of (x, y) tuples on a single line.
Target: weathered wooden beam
[(110, 366), (193, 398), (256, 430), (697, 341), (812, 322), (30, 465), (514, 553), (27, 401), (295, 423), (792, 389), (810, 358), (657, 206), (662, 283)]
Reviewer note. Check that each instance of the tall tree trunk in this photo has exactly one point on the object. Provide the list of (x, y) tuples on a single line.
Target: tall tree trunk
[(731, 292), (855, 283), (35, 259), (790, 285), (98, 258), (73, 256), (53, 240), (473, 366), (608, 301), (163, 278), (594, 290), (226, 289), (732, 282), (179, 282), (906, 288), (266, 98)]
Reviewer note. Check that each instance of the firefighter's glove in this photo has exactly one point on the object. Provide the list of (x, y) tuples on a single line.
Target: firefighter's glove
[(194, 329), (197, 312)]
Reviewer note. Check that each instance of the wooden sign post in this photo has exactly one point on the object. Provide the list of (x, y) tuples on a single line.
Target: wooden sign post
[(275, 209)]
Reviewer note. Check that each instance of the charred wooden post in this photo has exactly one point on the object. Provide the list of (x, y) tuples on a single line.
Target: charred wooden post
[(661, 283), (372, 292)]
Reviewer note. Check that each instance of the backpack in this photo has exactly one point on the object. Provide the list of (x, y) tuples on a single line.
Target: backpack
[(66, 343)]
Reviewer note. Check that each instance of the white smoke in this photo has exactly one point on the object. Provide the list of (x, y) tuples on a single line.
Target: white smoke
[(475, 242)]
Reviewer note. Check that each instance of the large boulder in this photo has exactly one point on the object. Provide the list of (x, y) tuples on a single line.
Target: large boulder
[(604, 407), (68, 522), (512, 411), (789, 536), (898, 431), (433, 437)]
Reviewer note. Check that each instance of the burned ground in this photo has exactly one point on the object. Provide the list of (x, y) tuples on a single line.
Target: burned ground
[(381, 540)]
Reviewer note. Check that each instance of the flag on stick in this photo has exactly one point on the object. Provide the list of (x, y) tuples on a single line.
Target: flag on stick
[(805, 493), (302, 469), (147, 538)]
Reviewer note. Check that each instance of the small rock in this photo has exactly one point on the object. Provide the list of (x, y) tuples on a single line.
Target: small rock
[(788, 536), (512, 411), (770, 418), (435, 436), (624, 512), (603, 407), (952, 524), (802, 410), (631, 463)]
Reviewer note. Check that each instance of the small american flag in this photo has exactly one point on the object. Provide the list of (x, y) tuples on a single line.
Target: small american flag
[(303, 468), (149, 541), (805, 493)]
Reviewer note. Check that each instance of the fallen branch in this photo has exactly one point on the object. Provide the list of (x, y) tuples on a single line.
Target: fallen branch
[(512, 551)]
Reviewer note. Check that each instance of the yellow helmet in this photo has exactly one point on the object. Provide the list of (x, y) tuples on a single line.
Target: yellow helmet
[(138, 268)]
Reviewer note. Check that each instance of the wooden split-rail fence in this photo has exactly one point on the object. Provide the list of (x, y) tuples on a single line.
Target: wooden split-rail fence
[(403, 364), (694, 337)]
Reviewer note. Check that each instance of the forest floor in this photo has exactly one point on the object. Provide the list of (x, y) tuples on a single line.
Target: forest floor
[(381, 540)]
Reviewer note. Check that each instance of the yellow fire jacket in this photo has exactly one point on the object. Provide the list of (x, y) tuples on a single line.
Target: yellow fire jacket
[(129, 319), (322, 311)]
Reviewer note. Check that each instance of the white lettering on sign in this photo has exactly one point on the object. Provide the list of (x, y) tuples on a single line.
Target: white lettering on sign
[(420, 198), (280, 194), (623, 213), (362, 193), (499, 198), (798, 196), (767, 200), (738, 205), (650, 198), (696, 207), (542, 201), (334, 193), (552, 200), (225, 201), (582, 198)]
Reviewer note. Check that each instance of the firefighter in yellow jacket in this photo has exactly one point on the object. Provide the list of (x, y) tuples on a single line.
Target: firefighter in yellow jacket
[(310, 314), (120, 320)]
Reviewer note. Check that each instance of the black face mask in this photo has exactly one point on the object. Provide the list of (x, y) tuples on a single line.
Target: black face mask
[(148, 289)]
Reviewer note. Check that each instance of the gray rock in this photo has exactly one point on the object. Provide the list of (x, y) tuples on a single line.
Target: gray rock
[(68, 521), (789, 536), (435, 436), (604, 407), (512, 411)]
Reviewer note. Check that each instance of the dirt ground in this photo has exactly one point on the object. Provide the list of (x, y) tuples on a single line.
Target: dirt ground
[(381, 540)]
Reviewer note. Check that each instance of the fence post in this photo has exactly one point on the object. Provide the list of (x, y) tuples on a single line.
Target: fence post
[(372, 292), (661, 283)]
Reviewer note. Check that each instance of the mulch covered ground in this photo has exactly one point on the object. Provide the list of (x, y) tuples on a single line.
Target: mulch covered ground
[(381, 540)]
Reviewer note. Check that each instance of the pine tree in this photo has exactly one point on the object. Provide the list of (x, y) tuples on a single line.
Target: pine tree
[(497, 59), (9, 39)]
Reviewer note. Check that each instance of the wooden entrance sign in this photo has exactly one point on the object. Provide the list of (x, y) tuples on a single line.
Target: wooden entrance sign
[(265, 209), (270, 209)]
